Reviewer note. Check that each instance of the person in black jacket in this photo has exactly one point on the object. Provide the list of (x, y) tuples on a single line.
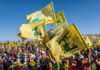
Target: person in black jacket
[(44, 62), (5, 64)]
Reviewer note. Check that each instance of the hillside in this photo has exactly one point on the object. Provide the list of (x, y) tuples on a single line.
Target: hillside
[(93, 36)]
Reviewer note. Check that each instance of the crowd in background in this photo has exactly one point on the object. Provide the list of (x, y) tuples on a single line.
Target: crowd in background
[(28, 56)]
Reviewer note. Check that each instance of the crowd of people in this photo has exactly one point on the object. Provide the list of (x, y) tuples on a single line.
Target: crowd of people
[(37, 57)]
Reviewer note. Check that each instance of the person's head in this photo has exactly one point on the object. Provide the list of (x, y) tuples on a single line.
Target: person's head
[(81, 59), (10, 59), (43, 54), (74, 63), (0, 59), (86, 59), (4, 59), (67, 60), (32, 56)]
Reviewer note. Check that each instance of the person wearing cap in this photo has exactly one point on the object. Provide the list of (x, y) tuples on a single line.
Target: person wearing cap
[(25, 62), (44, 62), (5, 64), (11, 64), (32, 62), (83, 63)]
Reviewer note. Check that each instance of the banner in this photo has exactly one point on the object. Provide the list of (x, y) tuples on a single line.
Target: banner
[(59, 29), (33, 31), (67, 43), (98, 42), (71, 41), (60, 18), (55, 48), (88, 42), (47, 14)]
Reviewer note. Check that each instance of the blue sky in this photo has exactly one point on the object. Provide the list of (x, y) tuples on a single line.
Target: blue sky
[(84, 13)]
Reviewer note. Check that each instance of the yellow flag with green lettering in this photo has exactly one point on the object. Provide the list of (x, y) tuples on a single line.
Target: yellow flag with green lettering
[(60, 18), (55, 48), (67, 43), (46, 13), (33, 31), (88, 42), (59, 29), (98, 42)]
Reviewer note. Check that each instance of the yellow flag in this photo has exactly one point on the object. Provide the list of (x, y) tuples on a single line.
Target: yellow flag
[(59, 29), (55, 48), (71, 40), (98, 42), (36, 43), (33, 31), (60, 18), (19, 49), (23, 39), (67, 43), (1, 45), (13, 44), (46, 13), (88, 42)]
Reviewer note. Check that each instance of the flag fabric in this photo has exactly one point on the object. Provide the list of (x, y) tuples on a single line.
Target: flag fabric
[(67, 43), (53, 46), (53, 32), (19, 48), (98, 42), (60, 18), (46, 13), (33, 31), (88, 42), (23, 39), (13, 43), (71, 40)]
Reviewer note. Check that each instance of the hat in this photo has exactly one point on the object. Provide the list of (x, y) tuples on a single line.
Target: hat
[(32, 55), (43, 52), (25, 54), (81, 57)]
